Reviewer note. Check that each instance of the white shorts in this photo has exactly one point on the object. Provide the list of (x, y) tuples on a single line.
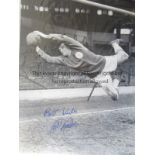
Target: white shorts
[(111, 64), (104, 77)]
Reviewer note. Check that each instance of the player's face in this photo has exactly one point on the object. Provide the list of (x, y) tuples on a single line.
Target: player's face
[(64, 50)]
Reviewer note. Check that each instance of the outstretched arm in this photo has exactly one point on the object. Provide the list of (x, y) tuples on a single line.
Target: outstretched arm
[(46, 57), (65, 39), (59, 38)]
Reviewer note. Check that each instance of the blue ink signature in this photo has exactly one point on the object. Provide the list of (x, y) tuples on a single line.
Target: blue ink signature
[(50, 112), (69, 111), (57, 124), (69, 124), (65, 111), (63, 124)]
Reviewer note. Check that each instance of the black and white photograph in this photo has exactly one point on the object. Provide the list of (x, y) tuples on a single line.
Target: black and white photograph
[(77, 77)]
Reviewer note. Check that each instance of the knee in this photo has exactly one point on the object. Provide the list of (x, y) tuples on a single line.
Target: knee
[(122, 56)]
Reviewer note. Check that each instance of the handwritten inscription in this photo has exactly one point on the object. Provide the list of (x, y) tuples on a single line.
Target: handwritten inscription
[(69, 111), (50, 112), (63, 124), (65, 111)]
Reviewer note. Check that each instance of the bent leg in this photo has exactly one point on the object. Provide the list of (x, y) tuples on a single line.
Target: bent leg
[(120, 53)]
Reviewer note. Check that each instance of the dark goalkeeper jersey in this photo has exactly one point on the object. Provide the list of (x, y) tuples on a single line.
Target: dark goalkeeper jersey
[(90, 64)]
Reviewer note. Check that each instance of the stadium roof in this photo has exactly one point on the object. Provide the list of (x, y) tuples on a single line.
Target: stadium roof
[(75, 15)]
